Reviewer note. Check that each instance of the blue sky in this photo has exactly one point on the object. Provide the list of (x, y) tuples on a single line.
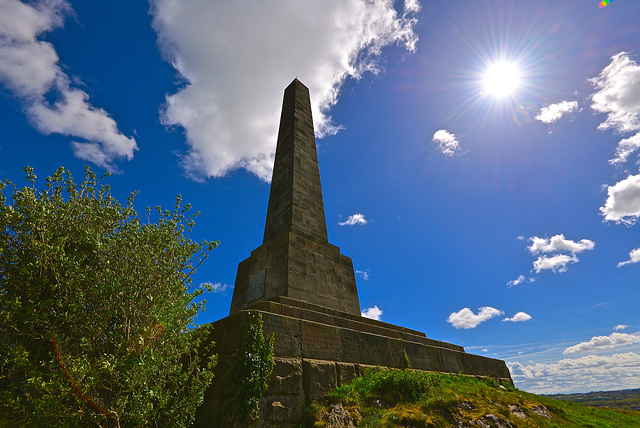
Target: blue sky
[(501, 218)]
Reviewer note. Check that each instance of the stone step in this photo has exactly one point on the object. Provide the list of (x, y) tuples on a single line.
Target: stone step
[(306, 311)]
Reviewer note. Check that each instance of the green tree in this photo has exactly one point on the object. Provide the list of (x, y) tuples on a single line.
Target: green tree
[(97, 309)]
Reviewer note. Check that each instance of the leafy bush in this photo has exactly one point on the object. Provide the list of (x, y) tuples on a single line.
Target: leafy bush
[(390, 385), (97, 309), (249, 372)]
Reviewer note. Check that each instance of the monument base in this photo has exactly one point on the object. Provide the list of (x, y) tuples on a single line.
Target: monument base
[(317, 349)]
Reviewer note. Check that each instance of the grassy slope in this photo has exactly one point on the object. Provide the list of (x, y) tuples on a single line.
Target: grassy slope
[(406, 398)]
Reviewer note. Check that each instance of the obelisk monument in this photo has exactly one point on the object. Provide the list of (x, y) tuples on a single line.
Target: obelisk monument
[(295, 259), (305, 292)]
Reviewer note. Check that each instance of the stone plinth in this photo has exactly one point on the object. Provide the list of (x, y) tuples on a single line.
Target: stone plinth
[(299, 268), (317, 349)]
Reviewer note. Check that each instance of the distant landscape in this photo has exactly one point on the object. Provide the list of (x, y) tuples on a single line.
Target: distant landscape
[(625, 399)]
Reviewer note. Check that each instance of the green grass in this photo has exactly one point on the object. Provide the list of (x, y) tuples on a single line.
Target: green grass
[(394, 398)]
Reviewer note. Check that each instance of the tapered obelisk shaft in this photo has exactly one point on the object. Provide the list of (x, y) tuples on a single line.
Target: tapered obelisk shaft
[(295, 201), (296, 260)]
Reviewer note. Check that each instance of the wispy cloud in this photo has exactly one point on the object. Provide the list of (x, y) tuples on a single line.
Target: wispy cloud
[(30, 68), (353, 220), (554, 112), (519, 317), (374, 313), (626, 148), (611, 341), (623, 201), (634, 257), (219, 287), (228, 112), (620, 327), (447, 142), (465, 318), (519, 280), (364, 274)]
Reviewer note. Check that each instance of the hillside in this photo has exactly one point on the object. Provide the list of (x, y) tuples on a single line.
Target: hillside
[(625, 399), (406, 398)]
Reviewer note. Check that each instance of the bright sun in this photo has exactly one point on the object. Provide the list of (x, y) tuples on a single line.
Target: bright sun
[(501, 79)]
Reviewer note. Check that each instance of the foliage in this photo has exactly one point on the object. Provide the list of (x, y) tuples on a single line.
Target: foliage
[(395, 398), (391, 385), (249, 371), (97, 309)]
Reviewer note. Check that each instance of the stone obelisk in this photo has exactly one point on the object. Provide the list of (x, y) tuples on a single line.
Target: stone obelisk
[(295, 259), (305, 292)]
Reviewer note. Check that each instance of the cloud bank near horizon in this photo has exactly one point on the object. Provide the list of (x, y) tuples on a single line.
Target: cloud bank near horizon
[(584, 374)]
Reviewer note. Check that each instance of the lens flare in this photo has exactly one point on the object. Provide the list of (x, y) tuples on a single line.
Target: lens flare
[(603, 3), (501, 79)]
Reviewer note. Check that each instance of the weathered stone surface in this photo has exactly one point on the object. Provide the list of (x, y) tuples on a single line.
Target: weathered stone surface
[(295, 201), (318, 378), (294, 266), (321, 341), (345, 373), (493, 421), (542, 411), (517, 411), (286, 378), (283, 410), (338, 417), (288, 333)]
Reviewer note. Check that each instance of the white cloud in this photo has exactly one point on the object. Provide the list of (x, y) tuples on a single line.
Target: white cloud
[(618, 94), (30, 68), (354, 219), (620, 327), (374, 313), (557, 263), (519, 317), (555, 244), (519, 280), (554, 112), (465, 318), (237, 57), (623, 201), (606, 342), (447, 142), (588, 373), (634, 257), (559, 243), (625, 148), (219, 287), (364, 274)]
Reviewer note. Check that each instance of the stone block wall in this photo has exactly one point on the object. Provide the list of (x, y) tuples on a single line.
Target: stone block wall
[(300, 268), (317, 349)]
